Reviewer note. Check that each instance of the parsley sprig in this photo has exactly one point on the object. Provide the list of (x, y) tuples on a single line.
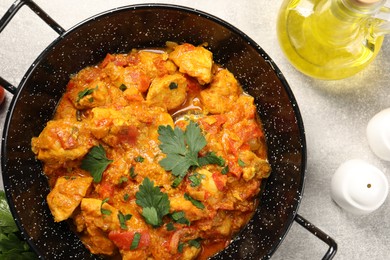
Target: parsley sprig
[(182, 148), (12, 246), (96, 162), (155, 204)]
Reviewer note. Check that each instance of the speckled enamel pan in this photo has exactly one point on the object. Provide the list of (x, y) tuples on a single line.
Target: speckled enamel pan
[(143, 26)]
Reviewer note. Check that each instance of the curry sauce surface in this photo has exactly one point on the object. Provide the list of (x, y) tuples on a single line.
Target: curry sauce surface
[(118, 107)]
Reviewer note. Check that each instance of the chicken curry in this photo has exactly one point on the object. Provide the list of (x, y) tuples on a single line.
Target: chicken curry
[(154, 154)]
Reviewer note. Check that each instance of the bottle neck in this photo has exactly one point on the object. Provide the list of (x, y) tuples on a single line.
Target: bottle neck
[(354, 10), (346, 17)]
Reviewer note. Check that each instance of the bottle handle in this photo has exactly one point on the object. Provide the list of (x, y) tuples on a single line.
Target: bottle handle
[(383, 18), (8, 17)]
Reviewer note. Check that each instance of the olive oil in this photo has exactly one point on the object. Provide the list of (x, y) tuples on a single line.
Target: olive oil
[(328, 39)]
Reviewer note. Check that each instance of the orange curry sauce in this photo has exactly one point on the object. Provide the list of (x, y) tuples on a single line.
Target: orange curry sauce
[(111, 115)]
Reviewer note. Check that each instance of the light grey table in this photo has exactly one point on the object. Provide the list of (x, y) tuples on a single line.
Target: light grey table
[(335, 114)]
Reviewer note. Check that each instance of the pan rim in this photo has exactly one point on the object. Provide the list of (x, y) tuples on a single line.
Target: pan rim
[(252, 43)]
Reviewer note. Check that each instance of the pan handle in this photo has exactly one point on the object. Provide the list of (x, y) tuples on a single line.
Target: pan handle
[(320, 234), (10, 14)]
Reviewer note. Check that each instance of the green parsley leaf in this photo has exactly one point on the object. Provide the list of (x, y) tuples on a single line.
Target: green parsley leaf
[(180, 218), (196, 179), (180, 247), (96, 162), (139, 158), (225, 170), (176, 182), (195, 242), (194, 202), (122, 220), (211, 158), (85, 92), (181, 148), (135, 242), (241, 163), (132, 172), (11, 244), (126, 197), (123, 179), (170, 226), (155, 203), (105, 211), (7, 223), (122, 87), (173, 85)]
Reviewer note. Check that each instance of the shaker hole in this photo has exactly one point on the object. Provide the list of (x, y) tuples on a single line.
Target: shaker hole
[(369, 185)]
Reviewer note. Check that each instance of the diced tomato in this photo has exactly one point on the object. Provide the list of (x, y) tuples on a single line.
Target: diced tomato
[(128, 134), (109, 58), (249, 131), (65, 138), (123, 240), (133, 59), (219, 180), (193, 85), (159, 63), (105, 189), (212, 124), (235, 169)]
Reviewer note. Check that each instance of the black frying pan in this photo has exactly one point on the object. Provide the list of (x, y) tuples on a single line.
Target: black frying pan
[(143, 26)]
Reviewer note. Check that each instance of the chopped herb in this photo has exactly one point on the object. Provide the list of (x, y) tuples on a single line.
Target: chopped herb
[(105, 211), (90, 100), (12, 245), (155, 204), (85, 92), (241, 163), (139, 159), (132, 172), (96, 162), (135, 242), (180, 247), (225, 170), (195, 243), (123, 179), (173, 85), (122, 87), (170, 226), (181, 148), (180, 218), (176, 182), (196, 179), (194, 202), (122, 220), (126, 197)]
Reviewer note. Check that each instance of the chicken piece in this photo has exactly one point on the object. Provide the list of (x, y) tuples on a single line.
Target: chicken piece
[(192, 213), (100, 214), (207, 190), (62, 141), (222, 93), (194, 61), (66, 196), (168, 91), (98, 219), (89, 88), (191, 252), (254, 166), (96, 241), (156, 64)]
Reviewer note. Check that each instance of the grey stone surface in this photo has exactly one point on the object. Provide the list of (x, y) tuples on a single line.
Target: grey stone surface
[(335, 114)]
